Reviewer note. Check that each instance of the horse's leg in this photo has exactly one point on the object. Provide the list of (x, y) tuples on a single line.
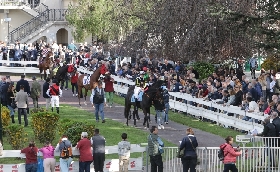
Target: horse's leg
[(137, 115), (147, 117), (135, 110), (79, 93), (86, 90)]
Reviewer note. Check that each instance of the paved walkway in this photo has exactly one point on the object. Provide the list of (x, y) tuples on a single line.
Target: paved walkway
[(173, 131)]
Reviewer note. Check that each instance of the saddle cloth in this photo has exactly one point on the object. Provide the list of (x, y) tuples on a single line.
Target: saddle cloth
[(86, 80), (140, 95)]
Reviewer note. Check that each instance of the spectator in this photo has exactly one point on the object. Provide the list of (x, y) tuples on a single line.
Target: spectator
[(194, 72), (22, 104), (166, 103), (109, 89), (263, 105), (230, 155), (46, 86), (11, 98), (3, 90), (74, 83), (48, 155), (238, 96), (254, 93), (30, 157), (189, 160), (155, 155), (25, 83), (97, 99), (160, 114), (263, 83), (166, 66), (64, 163), (98, 149), (276, 122), (86, 158), (231, 99), (124, 153), (35, 92), (268, 81)]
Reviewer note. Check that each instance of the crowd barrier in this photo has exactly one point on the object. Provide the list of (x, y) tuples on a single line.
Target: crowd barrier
[(253, 159), (220, 117), (135, 164)]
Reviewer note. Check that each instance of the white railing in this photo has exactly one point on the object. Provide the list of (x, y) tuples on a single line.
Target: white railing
[(220, 118), (135, 164)]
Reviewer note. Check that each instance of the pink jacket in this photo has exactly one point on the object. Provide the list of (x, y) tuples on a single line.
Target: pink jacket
[(230, 153)]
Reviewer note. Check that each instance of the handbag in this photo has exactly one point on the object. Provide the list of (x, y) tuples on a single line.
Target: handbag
[(197, 160), (13, 104), (180, 152)]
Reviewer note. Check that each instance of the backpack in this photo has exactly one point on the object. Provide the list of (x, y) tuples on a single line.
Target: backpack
[(221, 154), (66, 152)]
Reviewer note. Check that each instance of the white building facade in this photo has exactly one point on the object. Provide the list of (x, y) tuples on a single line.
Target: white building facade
[(31, 20)]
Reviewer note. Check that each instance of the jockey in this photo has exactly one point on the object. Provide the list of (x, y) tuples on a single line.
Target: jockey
[(139, 84)]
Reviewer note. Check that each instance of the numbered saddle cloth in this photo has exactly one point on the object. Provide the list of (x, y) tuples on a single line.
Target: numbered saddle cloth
[(86, 80), (139, 99)]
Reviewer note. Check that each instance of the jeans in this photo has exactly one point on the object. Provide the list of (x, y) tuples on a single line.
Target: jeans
[(12, 64), (160, 116), (64, 164), (109, 97), (156, 163), (99, 108), (31, 167), (231, 167), (24, 111), (12, 111), (84, 166), (166, 112), (189, 163), (74, 86)]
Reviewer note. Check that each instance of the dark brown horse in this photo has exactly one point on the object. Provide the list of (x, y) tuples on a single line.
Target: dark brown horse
[(45, 64), (92, 84)]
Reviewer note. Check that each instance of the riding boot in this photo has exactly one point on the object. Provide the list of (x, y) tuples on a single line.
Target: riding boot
[(57, 110), (13, 118), (52, 109)]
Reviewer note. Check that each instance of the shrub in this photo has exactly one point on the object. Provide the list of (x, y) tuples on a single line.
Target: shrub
[(44, 125), (36, 110), (5, 113), (73, 129), (204, 69), (16, 136)]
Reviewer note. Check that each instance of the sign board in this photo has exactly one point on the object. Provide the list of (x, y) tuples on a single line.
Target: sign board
[(110, 165)]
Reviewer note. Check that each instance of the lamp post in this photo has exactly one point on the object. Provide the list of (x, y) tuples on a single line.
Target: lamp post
[(8, 21)]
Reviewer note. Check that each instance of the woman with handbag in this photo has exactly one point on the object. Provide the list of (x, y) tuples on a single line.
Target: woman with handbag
[(11, 101), (189, 143)]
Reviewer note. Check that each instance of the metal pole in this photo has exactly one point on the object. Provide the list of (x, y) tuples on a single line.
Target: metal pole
[(8, 33), (1, 128)]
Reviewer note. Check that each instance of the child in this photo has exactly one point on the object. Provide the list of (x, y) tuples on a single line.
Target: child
[(124, 153)]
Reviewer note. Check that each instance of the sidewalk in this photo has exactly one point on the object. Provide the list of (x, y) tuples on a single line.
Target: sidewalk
[(173, 132)]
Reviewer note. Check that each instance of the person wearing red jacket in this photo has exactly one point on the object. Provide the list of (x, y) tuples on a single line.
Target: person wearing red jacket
[(54, 92), (74, 83), (230, 155), (109, 89)]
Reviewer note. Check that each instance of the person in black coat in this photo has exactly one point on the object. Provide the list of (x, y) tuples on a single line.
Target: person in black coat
[(24, 83), (46, 86), (189, 160), (4, 94), (238, 96)]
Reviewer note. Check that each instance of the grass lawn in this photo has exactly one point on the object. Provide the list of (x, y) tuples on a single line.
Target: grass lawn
[(192, 122), (111, 130)]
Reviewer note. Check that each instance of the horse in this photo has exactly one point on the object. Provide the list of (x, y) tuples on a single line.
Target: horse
[(150, 94), (45, 64), (92, 83), (62, 73)]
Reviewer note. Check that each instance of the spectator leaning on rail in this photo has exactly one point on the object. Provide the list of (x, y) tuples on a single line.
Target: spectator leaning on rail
[(98, 149), (31, 157), (48, 155), (64, 163), (86, 157), (189, 160), (230, 155)]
